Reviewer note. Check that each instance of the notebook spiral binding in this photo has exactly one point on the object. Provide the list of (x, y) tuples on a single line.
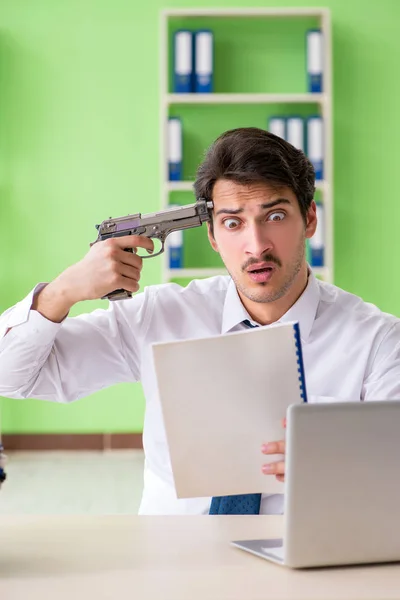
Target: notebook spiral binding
[(300, 364)]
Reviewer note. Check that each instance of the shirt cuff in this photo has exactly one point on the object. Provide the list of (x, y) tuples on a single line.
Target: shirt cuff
[(21, 314)]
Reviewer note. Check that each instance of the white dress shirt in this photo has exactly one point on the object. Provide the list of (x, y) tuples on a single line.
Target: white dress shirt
[(351, 351)]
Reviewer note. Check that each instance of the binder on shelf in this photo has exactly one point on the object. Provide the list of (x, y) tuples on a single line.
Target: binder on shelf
[(174, 244), (317, 242), (204, 61), (315, 60), (183, 62), (174, 149), (315, 145), (295, 132), (277, 126)]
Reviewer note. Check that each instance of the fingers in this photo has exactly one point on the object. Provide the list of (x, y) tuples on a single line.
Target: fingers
[(274, 447), (129, 272), (128, 284), (274, 468), (115, 255), (132, 241), (129, 258)]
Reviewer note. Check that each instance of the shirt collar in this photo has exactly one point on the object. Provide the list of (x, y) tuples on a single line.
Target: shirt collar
[(303, 310)]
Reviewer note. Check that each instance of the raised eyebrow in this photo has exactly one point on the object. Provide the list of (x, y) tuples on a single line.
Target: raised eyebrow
[(229, 211), (266, 206), (275, 203)]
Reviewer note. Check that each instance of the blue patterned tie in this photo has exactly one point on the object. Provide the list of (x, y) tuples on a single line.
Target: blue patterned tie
[(242, 504)]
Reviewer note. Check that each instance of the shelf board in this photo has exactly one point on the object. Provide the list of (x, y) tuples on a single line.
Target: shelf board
[(212, 98), (187, 186), (179, 186), (245, 12)]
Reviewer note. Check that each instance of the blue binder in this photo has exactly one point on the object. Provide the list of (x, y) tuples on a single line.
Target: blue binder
[(175, 248), (174, 149), (317, 242), (183, 61), (315, 60), (204, 61), (315, 144)]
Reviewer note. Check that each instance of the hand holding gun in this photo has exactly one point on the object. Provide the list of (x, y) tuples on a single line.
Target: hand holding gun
[(112, 267), (156, 226)]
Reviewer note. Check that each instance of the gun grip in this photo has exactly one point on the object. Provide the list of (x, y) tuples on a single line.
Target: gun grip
[(119, 294)]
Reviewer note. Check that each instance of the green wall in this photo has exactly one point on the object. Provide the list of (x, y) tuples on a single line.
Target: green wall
[(79, 141)]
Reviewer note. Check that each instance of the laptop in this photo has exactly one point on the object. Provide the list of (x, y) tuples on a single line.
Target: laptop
[(342, 487)]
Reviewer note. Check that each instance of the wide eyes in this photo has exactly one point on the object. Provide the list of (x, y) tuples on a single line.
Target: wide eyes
[(231, 223), (275, 217), (278, 215)]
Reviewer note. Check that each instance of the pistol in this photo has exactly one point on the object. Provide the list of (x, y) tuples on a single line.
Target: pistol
[(154, 225)]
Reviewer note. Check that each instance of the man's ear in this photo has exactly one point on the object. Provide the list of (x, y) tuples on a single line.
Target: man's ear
[(311, 220), (211, 238)]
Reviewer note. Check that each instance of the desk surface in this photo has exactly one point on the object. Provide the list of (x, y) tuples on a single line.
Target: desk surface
[(164, 558)]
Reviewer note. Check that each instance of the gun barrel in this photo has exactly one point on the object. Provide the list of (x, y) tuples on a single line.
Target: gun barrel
[(170, 219)]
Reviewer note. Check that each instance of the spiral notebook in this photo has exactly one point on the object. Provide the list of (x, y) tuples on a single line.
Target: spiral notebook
[(222, 397)]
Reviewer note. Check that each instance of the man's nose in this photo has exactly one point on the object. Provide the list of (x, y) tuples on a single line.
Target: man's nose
[(258, 242)]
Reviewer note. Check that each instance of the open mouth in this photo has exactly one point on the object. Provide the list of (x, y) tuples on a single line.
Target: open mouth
[(262, 270), (261, 274)]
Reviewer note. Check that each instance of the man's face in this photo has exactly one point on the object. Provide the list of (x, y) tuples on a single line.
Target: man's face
[(260, 234)]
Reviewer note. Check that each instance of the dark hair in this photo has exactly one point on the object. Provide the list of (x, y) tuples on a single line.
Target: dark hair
[(248, 155)]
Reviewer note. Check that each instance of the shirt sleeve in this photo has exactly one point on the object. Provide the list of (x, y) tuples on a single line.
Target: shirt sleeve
[(383, 379), (72, 359)]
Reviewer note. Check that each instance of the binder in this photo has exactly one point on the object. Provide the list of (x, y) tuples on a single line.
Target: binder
[(295, 132), (175, 149), (317, 242), (183, 62), (204, 61), (315, 145), (175, 247), (315, 60), (277, 126), (264, 366)]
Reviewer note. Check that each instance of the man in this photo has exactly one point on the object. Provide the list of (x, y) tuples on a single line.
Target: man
[(262, 189)]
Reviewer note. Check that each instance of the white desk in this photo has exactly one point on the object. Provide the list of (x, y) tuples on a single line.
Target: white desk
[(164, 558)]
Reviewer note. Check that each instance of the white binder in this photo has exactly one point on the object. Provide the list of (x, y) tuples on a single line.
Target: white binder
[(315, 60), (295, 132), (204, 59), (277, 126), (183, 62), (315, 145), (175, 148)]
